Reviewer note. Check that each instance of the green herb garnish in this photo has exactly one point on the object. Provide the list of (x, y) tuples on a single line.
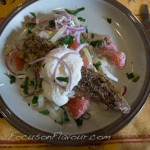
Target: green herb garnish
[(33, 14), (64, 118), (67, 40), (25, 86), (136, 78), (52, 23), (63, 79), (35, 100), (81, 19), (44, 112), (83, 40), (132, 76), (97, 65), (109, 20), (12, 78), (79, 122), (74, 12), (97, 43), (30, 26), (43, 65)]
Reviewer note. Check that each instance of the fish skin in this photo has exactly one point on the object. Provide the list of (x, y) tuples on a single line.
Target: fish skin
[(98, 87)]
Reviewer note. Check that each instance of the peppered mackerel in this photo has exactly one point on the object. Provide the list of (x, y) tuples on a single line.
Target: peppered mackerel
[(98, 87)]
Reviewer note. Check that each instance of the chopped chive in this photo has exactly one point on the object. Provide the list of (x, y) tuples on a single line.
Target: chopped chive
[(74, 12), (33, 14), (44, 112), (63, 79)]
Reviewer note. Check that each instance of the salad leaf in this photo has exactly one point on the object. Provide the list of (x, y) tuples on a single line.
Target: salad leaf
[(130, 75), (63, 79), (44, 112), (12, 78), (67, 40), (74, 12)]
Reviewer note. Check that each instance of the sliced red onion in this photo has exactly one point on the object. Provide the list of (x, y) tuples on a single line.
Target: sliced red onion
[(60, 61), (77, 36), (74, 29), (81, 47), (70, 83), (123, 90)]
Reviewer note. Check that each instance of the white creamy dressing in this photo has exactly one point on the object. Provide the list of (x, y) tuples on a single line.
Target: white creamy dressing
[(52, 91)]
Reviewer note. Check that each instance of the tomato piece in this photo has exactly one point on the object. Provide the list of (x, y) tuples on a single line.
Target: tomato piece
[(119, 58), (18, 61), (74, 45), (78, 106)]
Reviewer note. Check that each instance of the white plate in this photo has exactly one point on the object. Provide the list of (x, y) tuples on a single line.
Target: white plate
[(126, 32)]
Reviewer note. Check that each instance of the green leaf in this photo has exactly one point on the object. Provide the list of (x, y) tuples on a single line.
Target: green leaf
[(63, 79), (97, 65), (64, 118), (74, 12), (81, 19), (109, 20), (130, 75), (83, 40), (30, 26), (79, 122), (52, 23), (44, 112), (136, 78), (25, 86), (35, 100), (97, 43), (33, 14), (67, 40), (12, 78)]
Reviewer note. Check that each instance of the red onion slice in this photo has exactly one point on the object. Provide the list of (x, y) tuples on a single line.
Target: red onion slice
[(60, 61)]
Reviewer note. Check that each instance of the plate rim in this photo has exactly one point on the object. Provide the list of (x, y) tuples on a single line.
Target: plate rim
[(115, 126)]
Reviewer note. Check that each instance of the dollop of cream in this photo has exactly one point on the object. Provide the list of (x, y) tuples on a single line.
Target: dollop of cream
[(51, 90)]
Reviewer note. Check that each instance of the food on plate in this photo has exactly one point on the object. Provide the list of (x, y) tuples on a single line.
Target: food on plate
[(62, 68)]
